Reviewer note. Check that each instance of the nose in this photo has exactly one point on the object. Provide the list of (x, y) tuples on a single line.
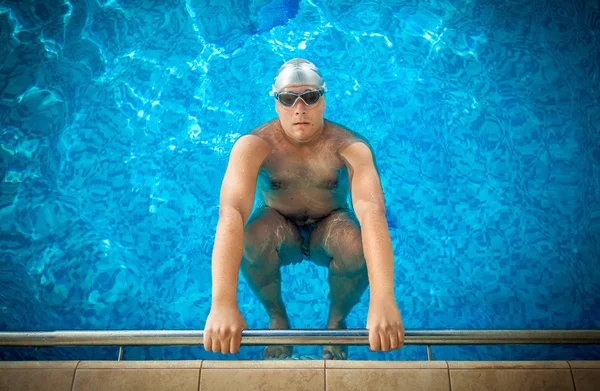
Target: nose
[(300, 106)]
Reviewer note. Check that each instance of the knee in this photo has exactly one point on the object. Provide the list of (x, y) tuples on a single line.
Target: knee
[(260, 241), (258, 245), (348, 258)]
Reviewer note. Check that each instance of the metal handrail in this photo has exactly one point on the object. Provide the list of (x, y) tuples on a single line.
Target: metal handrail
[(296, 337)]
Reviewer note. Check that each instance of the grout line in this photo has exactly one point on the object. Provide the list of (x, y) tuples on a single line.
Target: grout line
[(572, 375), (449, 380), (73, 380), (324, 375), (200, 376), (74, 374)]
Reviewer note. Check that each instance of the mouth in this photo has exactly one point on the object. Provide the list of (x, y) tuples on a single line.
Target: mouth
[(301, 123)]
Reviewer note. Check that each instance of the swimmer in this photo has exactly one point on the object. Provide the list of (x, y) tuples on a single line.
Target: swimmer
[(304, 169)]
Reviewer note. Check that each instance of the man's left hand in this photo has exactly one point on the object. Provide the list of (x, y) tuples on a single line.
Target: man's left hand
[(386, 331)]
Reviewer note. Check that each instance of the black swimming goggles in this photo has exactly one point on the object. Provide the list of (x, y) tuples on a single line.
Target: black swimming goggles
[(289, 99)]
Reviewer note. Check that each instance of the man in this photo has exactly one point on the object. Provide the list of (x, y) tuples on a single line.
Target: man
[(303, 168)]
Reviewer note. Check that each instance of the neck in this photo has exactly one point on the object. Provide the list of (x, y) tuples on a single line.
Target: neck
[(304, 143)]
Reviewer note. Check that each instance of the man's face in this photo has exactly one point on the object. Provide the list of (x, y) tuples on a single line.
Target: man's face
[(301, 122)]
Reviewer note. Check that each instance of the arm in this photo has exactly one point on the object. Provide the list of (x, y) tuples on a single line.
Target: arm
[(237, 198), (386, 331), (369, 206)]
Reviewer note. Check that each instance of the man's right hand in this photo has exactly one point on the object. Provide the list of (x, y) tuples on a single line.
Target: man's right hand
[(223, 329)]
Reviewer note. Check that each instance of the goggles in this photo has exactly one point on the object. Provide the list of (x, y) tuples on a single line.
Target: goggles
[(289, 99)]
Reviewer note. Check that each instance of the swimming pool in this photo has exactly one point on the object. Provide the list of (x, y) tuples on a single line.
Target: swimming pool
[(118, 116)]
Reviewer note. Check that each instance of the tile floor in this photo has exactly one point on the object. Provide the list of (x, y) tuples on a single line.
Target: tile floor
[(300, 375)]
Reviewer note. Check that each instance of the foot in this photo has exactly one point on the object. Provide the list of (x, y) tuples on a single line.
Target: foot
[(336, 352), (273, 352)]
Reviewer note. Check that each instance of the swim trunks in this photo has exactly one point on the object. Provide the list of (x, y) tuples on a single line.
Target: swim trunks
[(305, 232)]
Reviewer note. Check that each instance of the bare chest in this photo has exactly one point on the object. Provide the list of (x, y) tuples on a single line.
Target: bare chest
[(284, 172)]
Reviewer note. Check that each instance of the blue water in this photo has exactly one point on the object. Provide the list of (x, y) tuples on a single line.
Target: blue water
[(117, 118)]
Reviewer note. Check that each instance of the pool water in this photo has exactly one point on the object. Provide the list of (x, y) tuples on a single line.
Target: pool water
[(118, 117)]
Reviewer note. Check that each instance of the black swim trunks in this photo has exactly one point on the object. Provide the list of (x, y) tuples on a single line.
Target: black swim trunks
[(305, 231)]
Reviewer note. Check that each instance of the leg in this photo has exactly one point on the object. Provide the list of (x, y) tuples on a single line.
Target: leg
[(337, 244), (270, 241)]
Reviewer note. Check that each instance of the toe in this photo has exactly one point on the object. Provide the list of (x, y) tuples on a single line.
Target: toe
[(274, 352)]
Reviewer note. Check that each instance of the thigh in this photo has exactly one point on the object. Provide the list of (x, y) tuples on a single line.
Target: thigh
[(337, 237), (267, 230)]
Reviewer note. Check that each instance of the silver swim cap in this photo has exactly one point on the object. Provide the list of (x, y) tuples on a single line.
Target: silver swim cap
[(297, 71)]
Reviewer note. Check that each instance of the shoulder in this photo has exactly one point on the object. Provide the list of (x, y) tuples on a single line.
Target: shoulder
[(348, 142), (257, 143), (269, 132)]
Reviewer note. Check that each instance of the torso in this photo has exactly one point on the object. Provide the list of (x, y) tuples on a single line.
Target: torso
[(305, 183)]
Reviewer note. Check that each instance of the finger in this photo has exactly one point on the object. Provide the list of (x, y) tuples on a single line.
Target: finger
[(385, 340), (225, 344), (400, 337), (374, 340), (393, 334), (216, 345), (235, 341), (207, 340), (225, 341)]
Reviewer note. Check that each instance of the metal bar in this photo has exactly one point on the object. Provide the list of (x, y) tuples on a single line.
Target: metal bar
[(121, 351), (429, 355), (297, 337)]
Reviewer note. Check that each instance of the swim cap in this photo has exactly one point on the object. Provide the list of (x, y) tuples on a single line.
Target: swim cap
[(297, 71)]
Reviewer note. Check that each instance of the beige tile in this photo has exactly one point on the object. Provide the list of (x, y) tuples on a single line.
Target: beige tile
[(39, 375), (38, 364), (508, 379), (508, 365), (267, 375), (158, 364), (415, 379), (585, 364), (586, 379), (263, 364), (134, 379), (356, 364)]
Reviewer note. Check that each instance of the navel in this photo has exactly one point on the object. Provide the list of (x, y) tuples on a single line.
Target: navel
[(275, 185), (331, 184)]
